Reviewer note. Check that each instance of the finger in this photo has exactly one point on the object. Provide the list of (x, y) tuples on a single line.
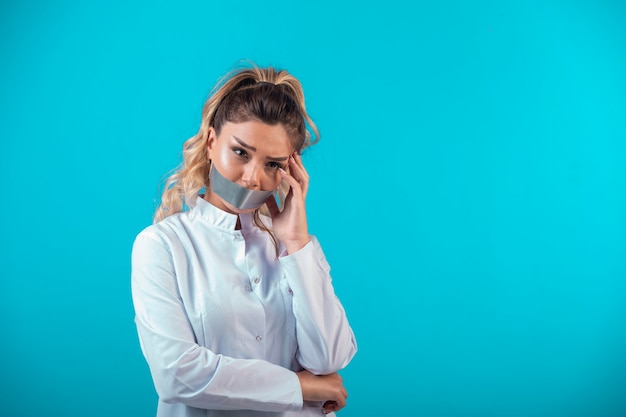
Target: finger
[(299, 173), (295, 185), (297, 162), (330, 406), (298, 159), (341, 402)]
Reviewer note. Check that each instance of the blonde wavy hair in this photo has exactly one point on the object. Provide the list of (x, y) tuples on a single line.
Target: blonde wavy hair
[(251, 93)]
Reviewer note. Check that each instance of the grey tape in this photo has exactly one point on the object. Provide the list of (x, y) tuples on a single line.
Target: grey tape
[(234, 194)]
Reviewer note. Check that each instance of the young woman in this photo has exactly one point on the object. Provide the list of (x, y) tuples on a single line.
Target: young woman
[(235, 309)]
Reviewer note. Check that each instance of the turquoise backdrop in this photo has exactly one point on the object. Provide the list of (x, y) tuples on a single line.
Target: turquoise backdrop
[(469, 191)]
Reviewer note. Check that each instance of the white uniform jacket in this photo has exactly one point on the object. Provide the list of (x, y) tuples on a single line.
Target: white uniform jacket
[(224, 324)]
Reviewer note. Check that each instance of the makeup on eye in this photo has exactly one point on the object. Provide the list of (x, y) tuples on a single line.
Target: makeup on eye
[(240, 152), (275, 165), (275, 162)]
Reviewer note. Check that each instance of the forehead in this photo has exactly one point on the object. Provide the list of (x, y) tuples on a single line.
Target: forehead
[(267, 139)]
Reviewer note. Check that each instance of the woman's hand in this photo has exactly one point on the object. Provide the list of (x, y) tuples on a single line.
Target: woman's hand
[(290, 225), (328, 389)]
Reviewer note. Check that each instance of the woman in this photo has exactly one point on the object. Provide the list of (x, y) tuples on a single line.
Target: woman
[(235, 309)]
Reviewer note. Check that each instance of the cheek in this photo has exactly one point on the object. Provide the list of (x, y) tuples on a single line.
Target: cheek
[(271, 179), (272, 182), (226, 166)]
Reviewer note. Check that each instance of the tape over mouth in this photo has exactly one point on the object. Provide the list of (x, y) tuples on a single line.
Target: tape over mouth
[(234, 194)]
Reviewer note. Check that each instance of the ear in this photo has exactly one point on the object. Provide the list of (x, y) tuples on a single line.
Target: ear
[(211, 142)]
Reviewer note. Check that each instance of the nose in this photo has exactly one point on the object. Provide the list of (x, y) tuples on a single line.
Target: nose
[(251, 177)]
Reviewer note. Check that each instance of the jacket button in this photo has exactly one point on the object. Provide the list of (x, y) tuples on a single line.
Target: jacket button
[(259, 338)]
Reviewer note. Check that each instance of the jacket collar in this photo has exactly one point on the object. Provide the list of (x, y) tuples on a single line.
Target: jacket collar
[(220, 218)]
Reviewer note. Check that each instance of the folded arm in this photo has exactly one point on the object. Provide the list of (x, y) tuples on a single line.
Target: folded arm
[(326, 342)]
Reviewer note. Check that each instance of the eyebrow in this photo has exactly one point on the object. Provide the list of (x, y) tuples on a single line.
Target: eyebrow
[(252, 148)]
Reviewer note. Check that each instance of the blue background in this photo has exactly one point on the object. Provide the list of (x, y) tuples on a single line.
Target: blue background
[(469, 190)]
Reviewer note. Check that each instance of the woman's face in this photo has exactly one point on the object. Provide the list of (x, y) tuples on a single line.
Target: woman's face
[(249, 154)]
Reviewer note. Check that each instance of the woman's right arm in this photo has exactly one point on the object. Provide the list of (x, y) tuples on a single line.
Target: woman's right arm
[(184, 371)]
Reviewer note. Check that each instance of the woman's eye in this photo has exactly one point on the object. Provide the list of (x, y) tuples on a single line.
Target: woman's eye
[(240, 152), (273, 165)]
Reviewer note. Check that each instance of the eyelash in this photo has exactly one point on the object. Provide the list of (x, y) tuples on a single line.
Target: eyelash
[(244, 155), (240, 152)]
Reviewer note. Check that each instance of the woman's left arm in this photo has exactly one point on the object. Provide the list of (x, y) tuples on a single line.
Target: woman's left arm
[(326, 343), (325, 340)]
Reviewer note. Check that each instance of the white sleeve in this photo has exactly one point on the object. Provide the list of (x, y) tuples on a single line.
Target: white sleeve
[(182, 370), (326, 342)]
